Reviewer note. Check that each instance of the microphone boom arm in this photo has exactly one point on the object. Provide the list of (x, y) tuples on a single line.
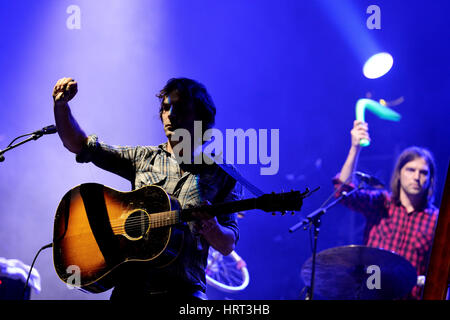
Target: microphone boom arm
[(34, 136)]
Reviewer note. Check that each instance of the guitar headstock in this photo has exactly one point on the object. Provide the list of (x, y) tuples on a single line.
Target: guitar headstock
[(286, 201)]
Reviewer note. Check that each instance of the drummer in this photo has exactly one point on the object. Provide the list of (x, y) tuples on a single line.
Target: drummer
[(403, 218)]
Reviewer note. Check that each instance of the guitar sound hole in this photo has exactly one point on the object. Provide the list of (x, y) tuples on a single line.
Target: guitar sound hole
[(137, 224)]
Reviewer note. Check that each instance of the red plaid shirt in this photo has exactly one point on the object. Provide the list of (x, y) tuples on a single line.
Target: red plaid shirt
[(389, 226)]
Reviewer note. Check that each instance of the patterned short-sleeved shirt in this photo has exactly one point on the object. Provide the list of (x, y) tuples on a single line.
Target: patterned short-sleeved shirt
[(190, 184), (389, 226)]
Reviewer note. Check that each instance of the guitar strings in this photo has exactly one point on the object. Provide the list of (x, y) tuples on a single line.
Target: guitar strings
[(138, 223), (146, 221), (121, 230), (156, 216), (155, 220), (152, 221), (137, 226)]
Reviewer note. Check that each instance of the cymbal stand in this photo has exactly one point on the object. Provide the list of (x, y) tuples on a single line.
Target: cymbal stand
[(313, 220)]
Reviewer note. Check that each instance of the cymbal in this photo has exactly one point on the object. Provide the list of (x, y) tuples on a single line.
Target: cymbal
[(348, 273)]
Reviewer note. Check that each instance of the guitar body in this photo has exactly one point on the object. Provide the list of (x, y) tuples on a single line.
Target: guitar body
[(98, 229)]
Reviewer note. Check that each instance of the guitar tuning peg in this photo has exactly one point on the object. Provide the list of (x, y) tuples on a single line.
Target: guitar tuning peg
[(293, 212), (274, 214), (283, 213)]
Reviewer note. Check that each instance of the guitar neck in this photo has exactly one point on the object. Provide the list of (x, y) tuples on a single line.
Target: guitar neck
[(220, 208), (268, 202), (168, 218)]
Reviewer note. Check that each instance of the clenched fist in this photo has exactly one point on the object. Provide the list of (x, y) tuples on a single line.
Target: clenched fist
[(64, 90), (360, 131)]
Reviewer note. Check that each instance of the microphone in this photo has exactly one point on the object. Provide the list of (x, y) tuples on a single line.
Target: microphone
[(370, 180), (46, 130), (34, 136)]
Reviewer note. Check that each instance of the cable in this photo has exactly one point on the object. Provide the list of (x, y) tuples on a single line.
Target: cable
[(24, 135), (337, 190), (31, 268)]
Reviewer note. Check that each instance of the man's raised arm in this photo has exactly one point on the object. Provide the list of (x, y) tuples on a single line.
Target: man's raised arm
[(359, 131), (72, 136)]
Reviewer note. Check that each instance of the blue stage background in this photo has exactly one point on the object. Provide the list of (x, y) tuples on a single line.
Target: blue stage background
[(295, 66)]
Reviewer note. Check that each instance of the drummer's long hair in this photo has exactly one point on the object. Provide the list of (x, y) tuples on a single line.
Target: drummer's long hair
[(410, 154)]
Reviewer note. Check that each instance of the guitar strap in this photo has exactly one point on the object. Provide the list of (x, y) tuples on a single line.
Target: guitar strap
[(97, 214), (237, 176)]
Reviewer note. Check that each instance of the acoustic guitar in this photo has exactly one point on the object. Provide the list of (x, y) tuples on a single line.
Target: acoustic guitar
[(98, 229)]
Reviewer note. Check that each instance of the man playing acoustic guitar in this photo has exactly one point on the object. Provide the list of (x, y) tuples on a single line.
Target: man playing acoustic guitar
[(182, 101)]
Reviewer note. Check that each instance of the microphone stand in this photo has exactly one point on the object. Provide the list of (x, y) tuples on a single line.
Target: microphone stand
[(313, 220), (34, 136)]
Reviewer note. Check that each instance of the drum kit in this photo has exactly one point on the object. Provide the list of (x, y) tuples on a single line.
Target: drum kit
[(353, 272), (359, 272)]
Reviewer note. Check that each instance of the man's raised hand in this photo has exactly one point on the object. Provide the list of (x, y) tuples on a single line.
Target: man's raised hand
[(359, 131), (64, 90)]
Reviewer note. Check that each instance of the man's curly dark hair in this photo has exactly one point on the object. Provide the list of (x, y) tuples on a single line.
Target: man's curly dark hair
[(191, 91)]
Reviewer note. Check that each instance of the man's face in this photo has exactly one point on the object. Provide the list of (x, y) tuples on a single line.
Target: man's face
[(415, 177), (177, 114)]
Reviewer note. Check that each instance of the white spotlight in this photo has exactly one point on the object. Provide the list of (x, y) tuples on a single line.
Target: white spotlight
[(378, 65)]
